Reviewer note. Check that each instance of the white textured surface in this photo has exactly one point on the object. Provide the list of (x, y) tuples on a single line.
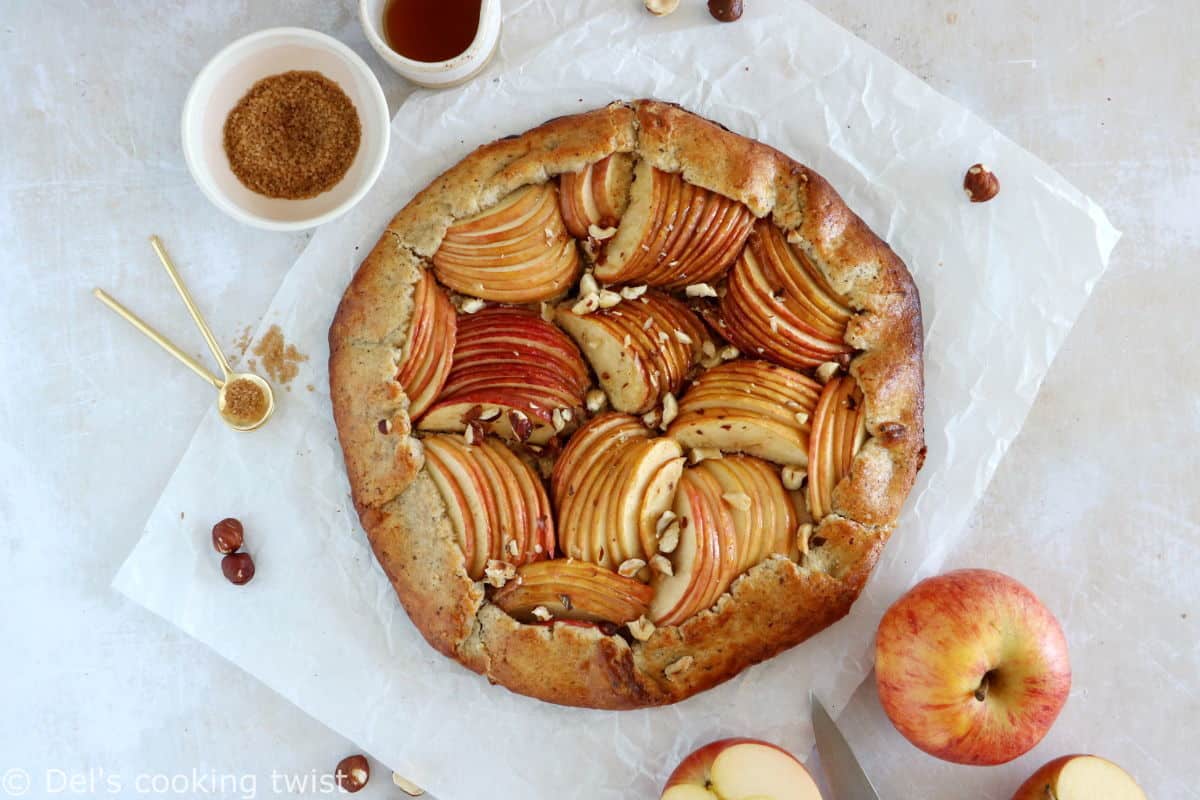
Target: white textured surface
[(91, 164)]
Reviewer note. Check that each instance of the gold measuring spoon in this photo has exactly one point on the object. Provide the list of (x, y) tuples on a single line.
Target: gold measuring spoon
[(244, 400)]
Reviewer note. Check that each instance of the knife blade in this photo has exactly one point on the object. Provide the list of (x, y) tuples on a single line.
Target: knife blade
[(845, 775)]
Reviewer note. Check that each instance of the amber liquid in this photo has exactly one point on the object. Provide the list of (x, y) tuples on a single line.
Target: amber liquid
[(430, 30)]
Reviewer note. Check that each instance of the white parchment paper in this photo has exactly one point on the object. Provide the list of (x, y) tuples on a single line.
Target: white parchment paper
[(1001, 285)]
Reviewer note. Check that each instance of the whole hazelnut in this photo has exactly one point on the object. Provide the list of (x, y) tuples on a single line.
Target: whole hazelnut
[(660, 8), (725, 10), (228, 535), (353, 772), (238, 568), (980, 184)]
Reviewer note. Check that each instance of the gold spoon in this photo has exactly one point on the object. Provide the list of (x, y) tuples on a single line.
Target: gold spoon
[(230, 378)]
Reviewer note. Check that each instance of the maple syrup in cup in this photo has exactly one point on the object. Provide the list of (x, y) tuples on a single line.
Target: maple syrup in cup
[(430, 30), (433, 43)]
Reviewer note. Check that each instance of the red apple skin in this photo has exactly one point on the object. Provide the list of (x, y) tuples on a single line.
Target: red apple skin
[(934, 648)]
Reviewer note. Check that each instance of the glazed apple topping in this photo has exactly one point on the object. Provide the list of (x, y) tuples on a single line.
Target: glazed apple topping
[(517, 251), (673, 233), (616, 446)]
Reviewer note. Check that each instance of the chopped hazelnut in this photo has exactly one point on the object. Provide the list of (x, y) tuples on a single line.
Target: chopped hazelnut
[(679, 666), (669, 539), (497, 573), (588, 285), (670, 409), (596, 400), (827, 370), (700, 290), (641, 629), (792, 477), (586, 304), (630, 567)]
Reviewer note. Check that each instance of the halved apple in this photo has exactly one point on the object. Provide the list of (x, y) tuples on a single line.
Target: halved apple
[(740, 769), (511, 371), (517, 251), (497, 506), (596, 195), (752, 407), (610, 485), (673, 233), (779, 305), (577, 590), (1080, 777), (428, 346), (640, 349), (838, 432), (705, 562)]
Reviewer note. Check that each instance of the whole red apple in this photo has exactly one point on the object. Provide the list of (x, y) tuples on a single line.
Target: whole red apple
[(971, 667)]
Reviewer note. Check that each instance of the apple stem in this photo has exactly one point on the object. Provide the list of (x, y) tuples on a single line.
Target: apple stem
[(982, 692)]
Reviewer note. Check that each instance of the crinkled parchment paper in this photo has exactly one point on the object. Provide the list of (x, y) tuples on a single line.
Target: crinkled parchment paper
[(1001, 285)]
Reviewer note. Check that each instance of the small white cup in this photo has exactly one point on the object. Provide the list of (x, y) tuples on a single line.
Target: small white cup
[(435, 74), (230, 74)]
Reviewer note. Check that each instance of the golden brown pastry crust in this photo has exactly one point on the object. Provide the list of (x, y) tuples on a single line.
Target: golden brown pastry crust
[(775, 605)]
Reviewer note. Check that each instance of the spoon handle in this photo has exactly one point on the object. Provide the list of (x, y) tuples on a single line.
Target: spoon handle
[(162, 341), (191, 304)]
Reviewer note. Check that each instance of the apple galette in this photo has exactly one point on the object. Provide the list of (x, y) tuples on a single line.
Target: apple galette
[(628, 403)]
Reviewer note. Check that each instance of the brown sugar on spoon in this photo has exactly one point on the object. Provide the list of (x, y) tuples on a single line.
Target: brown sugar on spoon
[(292, 136), (245, 401)]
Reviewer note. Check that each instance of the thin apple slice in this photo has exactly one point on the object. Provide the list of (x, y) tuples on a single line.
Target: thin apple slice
[(582, 473), (576, 590), (595, 195), (750, 407), (704, 563), (673, 233), (517, 251), (462, 486), (492, 498), (838, 432), (643, 477), (640, 349), (428, 346), (538, 539), (765, 523), (511, 371), (657, 499), (779, 305)]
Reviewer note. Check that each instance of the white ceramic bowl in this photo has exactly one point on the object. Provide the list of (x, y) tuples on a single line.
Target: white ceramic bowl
[(230, 74), (435, 74)]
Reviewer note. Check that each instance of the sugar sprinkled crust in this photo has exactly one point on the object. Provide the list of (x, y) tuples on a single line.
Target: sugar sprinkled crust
[(773, 606)]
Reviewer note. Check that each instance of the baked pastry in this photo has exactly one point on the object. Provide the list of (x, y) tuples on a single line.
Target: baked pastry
[(628, 403)]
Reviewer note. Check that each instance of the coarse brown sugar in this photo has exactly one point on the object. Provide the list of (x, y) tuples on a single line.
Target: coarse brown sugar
[(293, 135), (280, 359), (245, 401)]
